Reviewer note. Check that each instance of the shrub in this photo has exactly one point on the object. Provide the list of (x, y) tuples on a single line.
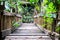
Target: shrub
[(16, 24), (58, 28)]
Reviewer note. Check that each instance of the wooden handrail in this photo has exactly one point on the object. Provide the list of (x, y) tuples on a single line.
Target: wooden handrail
[(47, 31), (53, 35)]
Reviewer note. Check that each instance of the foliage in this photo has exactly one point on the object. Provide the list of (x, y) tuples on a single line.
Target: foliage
[(36, 4), (45, 2), (12, 5), (33, 1), (7, 10), (58, 1), (37, 7), (49, 8), (16, 24), (47, 20), (7, 6), (20, 9), (27, 17), (58, 28)]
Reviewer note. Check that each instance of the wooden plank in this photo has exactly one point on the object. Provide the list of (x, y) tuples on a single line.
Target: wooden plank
[(2, 20), (59, 15), (1, 7), (8, 13), (18, 15)]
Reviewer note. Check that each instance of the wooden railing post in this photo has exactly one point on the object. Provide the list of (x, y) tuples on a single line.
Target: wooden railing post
[(52, 35), (16, 9), (59, 36), (0, 2)]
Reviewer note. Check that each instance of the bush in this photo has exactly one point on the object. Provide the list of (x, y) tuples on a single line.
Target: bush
[(58, 28), (16, 24)]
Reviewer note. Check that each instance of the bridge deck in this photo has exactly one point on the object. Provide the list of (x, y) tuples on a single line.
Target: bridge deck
[(28, 31)]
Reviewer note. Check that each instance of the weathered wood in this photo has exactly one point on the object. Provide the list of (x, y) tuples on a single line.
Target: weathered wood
[(18, 15), (8, 13), (7, 20), (58, 21), (6, 23), (2, 25), (39, 20), (59, 15), (2, 7), (32, 33)]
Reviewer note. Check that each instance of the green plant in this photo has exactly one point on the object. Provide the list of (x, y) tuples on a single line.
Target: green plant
[(44, 2), (12, 5), (37, 7), (7, 7), (13, 22), (33, 1), (48, 21), (7, 10), (58, 29), (58, 1), (49, 8), (16, 24)]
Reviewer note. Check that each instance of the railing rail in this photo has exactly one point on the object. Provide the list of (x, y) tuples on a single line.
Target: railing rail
[(53, 35)]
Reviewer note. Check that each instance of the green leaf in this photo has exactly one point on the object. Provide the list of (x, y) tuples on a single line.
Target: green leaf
[(34, 1), (16, 24), (58, 1), (58, 29)]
